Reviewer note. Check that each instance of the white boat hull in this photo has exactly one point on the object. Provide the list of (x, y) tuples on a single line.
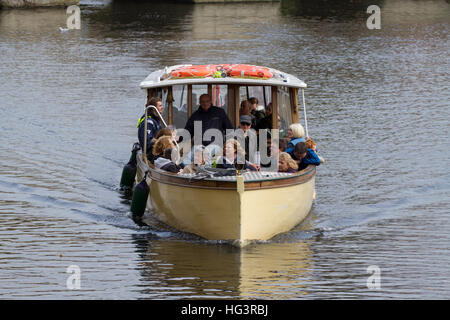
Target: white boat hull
[(238, 214)]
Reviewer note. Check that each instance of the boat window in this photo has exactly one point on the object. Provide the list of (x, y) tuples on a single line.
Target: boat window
[(220, 96), (158, 92), (267, 95), (263, 94), (284, 111), (165, 112), (243, 93), (179, 106)]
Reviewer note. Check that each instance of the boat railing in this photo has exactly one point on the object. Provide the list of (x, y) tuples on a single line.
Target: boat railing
[(159, 114)]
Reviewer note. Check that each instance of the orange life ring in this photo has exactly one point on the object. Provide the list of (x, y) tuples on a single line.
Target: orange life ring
[(247, 71), (194, 71)]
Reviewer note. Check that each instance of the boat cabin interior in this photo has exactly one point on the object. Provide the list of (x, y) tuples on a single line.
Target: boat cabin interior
[(228, 85), (181, 100)]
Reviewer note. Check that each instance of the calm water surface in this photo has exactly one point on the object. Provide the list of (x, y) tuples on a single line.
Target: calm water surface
[(378, 107)]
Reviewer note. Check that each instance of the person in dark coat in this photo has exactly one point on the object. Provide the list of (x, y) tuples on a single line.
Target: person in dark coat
[(210, 116), (304, 156), (154, 124)]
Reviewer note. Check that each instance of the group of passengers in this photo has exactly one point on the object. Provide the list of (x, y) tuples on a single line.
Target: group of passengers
[(294, 153)]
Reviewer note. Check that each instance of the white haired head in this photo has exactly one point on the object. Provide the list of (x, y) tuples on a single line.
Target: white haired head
[(297, 130)]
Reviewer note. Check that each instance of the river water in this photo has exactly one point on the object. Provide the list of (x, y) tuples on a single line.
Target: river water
[(378, 106)]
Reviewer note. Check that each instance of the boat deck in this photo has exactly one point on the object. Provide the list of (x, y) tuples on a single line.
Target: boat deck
[(209, 178), (249, 176)]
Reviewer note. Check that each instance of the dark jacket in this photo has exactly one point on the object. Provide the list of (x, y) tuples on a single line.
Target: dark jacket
[(153, 126), (257, 115), (310, 158), (214, 118), (150, 156), (264, 123), (166, 165)]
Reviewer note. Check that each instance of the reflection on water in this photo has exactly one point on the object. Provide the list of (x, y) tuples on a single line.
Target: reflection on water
[(199, 270), (329, 9), (32, 21), (377, 107)]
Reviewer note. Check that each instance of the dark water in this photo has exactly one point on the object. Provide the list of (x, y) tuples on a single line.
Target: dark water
[(378, 107)]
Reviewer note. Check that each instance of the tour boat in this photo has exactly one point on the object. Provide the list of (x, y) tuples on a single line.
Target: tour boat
[(252, 206)]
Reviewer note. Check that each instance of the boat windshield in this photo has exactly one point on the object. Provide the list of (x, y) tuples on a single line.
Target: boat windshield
[(180, 101)]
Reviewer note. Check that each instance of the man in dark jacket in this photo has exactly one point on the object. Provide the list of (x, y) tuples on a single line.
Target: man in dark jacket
[(304, 156), (153, 124), (210, 116)]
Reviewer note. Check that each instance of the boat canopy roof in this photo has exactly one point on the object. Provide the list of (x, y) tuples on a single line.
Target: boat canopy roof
[(242, 74)]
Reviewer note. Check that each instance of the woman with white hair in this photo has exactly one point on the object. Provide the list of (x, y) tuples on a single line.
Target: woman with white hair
[(296, 134)]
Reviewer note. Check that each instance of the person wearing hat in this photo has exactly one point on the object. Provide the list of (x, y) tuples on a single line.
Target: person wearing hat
[(245, 124)]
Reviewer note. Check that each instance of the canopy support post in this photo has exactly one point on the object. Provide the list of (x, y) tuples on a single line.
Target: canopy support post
[(189, 101), (274, 107), (293, 93), (304, 112), (265, 99), (170, 101)]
